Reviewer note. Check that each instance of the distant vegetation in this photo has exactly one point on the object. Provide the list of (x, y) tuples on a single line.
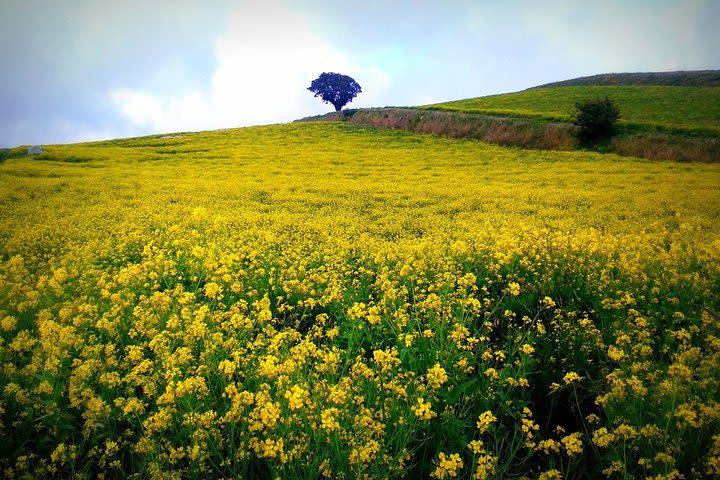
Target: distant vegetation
[(658, 122), (701, 78), (689, 110), (532, 132)]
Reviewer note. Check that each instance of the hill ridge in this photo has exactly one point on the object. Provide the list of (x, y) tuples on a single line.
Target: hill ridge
[(678, 78)]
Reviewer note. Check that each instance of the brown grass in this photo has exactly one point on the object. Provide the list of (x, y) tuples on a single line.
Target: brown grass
[(675, 148), (500, 130)]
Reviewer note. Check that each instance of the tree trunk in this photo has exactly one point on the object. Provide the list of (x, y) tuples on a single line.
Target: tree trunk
[(337, 107)]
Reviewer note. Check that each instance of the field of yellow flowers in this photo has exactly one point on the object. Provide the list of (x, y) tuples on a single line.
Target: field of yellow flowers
[(318, 300)]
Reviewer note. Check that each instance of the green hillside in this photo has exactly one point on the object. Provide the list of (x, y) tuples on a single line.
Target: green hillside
[(694, 110), (697, 78)]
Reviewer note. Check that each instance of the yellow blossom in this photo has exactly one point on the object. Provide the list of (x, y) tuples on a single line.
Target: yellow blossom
[(571, 377), (573, 444), (447, 466), (527, 349), (297, 397), (513, 289), (436, 376), (423, 409), (329, 419), (485, 420)]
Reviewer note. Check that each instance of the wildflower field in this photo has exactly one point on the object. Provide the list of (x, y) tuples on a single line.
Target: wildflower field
[(319, 300)]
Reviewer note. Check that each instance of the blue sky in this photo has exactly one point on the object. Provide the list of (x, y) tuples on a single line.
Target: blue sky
[(76, 70)]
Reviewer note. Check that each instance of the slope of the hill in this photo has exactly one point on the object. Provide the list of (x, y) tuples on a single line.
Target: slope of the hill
[(691, 110), (320, 300), (693, 78)]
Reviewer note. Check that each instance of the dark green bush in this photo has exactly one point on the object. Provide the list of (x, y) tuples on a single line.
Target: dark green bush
[(596, 118)]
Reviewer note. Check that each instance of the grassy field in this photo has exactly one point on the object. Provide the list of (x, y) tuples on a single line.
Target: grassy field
[(676, 109), (320, 300)]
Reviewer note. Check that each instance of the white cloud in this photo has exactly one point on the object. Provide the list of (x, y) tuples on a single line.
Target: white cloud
[(189, 112), (266, 59)]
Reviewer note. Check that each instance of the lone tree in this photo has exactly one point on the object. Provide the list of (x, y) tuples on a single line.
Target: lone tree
[(335, 88), (596, 119)]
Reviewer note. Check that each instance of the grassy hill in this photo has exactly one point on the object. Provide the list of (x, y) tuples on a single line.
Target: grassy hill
[(697, 78), (322, 300), (690, 110), (677, 120)]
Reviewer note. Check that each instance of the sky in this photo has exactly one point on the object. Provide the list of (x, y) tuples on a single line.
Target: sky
[(80, 70)]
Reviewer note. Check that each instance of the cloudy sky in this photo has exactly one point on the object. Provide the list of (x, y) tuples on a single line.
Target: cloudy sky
[(75, 70)]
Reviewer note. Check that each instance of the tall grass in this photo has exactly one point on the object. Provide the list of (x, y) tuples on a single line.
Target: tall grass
[(506, 131)]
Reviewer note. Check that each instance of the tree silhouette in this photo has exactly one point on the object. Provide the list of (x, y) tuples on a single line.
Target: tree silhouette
[(335, 88)]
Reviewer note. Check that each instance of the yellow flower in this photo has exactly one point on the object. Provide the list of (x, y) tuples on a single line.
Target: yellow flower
[(59, 454), (328, 418), (372, 316), (548, 302), (447, 466), (484, 467), (571, 377), (436, 376), (386, 359), (268, 366), (268, 448), (297, 397), (227, 368), (265, 416), (551, 475), (602, 438), (573, 444), (365, 453), (325, 470), (332, 333), (476, 446), (615, 353), (213, 290), (548, 446), (423, 410), (485, 420), (8, 323), (625, 432), (686, 416)]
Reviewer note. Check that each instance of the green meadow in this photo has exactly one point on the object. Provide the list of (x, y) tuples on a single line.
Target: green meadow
[(692, 110)]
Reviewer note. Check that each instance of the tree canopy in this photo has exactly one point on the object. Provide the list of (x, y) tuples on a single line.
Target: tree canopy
[(335, 88)]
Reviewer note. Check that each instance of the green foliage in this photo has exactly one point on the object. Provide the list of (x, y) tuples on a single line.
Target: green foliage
[(596, 119)]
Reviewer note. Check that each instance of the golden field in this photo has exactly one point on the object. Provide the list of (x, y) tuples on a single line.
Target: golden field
[(324, 301)]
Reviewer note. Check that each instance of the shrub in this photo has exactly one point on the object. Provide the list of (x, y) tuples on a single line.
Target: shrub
[(596, 118)]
